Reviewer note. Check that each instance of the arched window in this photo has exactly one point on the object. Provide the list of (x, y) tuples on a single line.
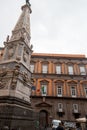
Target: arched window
[(75, 108), (60, 107)]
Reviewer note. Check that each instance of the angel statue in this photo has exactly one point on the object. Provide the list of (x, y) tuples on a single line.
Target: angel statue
[(27, 1)]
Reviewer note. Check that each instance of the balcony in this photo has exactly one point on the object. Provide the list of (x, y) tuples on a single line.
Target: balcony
[(60, 112), (76, 113)]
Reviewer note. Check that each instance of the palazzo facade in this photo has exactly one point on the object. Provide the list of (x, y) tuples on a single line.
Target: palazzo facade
[(59, 90)]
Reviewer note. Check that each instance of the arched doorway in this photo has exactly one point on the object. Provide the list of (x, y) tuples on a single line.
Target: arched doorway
[(43, 118)]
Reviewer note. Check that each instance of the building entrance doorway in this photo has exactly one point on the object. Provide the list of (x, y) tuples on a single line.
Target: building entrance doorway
[(43, 119)]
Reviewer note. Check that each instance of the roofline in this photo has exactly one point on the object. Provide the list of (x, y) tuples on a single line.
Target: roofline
[(58, 55)]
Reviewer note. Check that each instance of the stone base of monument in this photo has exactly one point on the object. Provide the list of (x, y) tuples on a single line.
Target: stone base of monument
[(16, 114)]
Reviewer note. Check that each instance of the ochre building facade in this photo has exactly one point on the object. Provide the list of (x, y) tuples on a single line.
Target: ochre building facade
[(59, 90)]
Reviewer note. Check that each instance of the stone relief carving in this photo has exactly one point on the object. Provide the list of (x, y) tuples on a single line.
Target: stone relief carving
[(32, 80), (3, 72), (11, 50), (4, 79), (18, 58), (25, 54), (24, 36), (25, 57), (15, 76), (14, 82), (4, 83), (31, 47), (25, 77), (16, 70)]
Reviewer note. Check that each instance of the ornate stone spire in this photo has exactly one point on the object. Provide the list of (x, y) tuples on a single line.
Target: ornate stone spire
[(15, 77), (22, 28), (17, 54)]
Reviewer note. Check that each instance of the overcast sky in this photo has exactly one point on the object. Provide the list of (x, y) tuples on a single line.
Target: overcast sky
[(57, 26)]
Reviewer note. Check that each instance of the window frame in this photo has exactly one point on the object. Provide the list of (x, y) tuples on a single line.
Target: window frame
[(75, 108), (70, 69), (58, 68), (82, 69), (59, 90), (73, 90), (85, 89), (46, 69), (45, 85), (60, 107)]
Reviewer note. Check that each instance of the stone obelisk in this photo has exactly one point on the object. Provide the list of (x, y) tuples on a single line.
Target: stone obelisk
[(15, 77)]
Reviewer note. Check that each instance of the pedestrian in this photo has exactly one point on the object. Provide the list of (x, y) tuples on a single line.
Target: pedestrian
[(78, 126), (63, 125), (60, 127)]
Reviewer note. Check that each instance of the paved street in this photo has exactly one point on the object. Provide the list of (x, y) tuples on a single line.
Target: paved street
[(49, 128)]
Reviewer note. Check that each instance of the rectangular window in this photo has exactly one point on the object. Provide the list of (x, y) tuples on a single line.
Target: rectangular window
[(44, 90), (75, 108), (73, 91), (32, 68), (70, 69), (86, 92), (60, 107), (44, 68), (82, 70), (58, 69), (85, 89), (59, 90)]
